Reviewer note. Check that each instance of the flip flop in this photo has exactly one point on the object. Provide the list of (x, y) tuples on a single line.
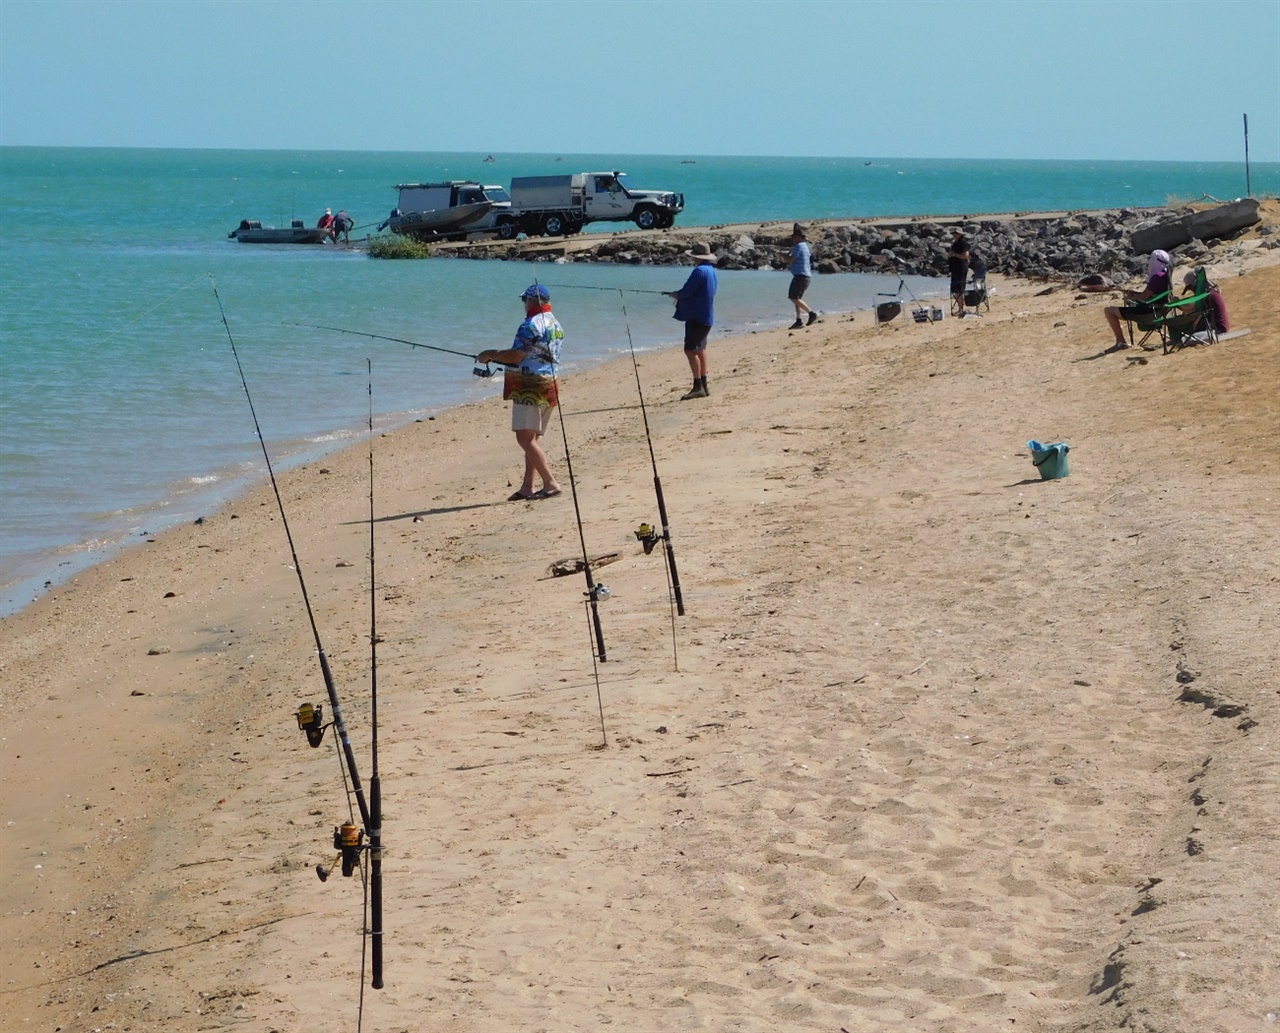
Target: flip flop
[(521, 497), (548, 493)]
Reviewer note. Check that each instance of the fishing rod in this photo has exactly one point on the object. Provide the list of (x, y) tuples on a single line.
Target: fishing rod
[(584, 287), (646, 535), (477, 371), (596, 593), (375, 782), (348, 837)]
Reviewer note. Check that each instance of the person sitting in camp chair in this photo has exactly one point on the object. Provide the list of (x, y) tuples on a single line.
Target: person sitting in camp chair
[(1199, 316), (1142, 303)]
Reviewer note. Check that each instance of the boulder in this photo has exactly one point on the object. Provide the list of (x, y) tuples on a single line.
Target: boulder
[(1162, 236), (1224, 220)]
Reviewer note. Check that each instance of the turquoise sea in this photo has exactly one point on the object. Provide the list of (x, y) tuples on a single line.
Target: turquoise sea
[(121, 411)]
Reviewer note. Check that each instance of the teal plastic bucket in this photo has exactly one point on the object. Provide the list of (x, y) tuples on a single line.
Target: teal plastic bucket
[(1050, 460)]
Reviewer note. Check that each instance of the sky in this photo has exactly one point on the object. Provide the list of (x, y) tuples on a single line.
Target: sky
[(1058, 79)]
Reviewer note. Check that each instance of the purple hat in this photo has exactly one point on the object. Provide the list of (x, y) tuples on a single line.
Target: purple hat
[(536, 293)]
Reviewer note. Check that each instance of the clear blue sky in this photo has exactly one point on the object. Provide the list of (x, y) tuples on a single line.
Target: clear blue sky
[(1119, 79)]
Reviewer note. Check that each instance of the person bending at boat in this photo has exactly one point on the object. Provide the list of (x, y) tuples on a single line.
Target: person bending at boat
[(695, 307), (343, 224), (1159, 283), (530, 385)]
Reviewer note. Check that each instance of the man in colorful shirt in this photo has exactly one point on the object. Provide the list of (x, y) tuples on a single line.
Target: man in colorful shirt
[(530, 385)]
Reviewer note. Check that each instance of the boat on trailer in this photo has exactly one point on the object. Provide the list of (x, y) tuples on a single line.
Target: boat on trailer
[(251, 231), (439, 221)]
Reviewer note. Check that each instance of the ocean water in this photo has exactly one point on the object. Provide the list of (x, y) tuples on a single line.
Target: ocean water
[(121, 410)]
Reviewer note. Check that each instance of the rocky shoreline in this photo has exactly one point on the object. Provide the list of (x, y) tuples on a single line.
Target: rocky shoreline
[(1050, 246)]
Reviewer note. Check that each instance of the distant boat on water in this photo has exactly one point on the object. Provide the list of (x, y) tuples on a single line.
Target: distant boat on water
[(251, 231)]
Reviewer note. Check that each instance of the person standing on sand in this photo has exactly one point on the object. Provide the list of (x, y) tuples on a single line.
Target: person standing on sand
[(530, 385), (801, 274), (958, 267), (325, 222), (695, 307)]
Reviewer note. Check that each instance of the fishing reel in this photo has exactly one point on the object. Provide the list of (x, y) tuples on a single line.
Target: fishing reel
[(311, 721), (486, 371), (348, 840), (598, 593), (648, 536)]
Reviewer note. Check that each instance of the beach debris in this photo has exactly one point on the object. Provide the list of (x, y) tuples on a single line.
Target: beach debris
[(574, 564), (1210, 700), (157, 650)]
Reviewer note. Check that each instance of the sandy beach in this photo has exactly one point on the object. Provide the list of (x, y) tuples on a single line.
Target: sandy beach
[(938, 746)]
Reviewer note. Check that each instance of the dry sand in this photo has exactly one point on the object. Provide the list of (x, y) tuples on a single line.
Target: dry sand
[(948, 748)]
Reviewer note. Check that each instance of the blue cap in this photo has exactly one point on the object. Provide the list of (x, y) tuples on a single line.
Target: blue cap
[(536, 293)]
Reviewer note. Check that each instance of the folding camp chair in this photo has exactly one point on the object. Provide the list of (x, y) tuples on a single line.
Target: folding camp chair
[(1191, 320), (975, 295), (887, 306)]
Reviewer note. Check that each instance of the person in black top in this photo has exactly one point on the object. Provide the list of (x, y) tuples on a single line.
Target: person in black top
[(958, 267)]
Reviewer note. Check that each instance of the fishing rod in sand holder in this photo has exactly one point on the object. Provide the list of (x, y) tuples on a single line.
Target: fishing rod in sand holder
[(646, 535), (348, 838)]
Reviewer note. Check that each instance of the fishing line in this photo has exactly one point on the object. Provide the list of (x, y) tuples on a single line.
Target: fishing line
[(82, 352), (334, 703), (657, 481)]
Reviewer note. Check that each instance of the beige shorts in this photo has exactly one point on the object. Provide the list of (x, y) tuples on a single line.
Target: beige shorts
[(530, 417)]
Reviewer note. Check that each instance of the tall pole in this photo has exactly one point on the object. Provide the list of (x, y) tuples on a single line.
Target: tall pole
[(1248, 185)]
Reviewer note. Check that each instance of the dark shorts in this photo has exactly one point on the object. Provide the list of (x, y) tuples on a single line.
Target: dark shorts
[(1136, 310), (695, 335), (957, 283), (799, 284)]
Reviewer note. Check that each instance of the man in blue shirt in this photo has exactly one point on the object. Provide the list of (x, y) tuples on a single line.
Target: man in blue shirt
[(801, 272), (695, 307)]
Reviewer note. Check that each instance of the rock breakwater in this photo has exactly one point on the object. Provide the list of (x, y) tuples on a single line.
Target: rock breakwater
[(1050, 246)]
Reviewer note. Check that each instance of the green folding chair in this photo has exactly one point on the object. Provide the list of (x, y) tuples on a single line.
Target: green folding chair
[(1191, 320)]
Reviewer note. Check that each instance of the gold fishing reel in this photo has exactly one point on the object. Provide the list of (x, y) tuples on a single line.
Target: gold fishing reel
[(311, 721), (648, 536), (348, 840)]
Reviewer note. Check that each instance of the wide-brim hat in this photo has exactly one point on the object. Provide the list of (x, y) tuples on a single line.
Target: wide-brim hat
[(701, 252), (536, 292)]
